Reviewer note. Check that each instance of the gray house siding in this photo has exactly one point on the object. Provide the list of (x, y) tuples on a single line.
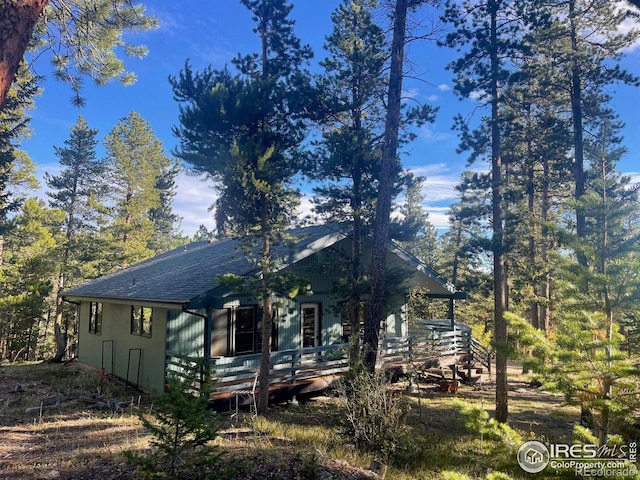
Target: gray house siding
[(185, 333), (289, 324)]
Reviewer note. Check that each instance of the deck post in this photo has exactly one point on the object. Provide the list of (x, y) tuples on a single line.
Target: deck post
[(411, 388), (452, 312)]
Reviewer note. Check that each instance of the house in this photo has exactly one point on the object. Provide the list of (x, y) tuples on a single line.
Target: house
[(138, 323)]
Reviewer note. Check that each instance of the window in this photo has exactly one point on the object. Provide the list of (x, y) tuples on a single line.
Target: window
[(310, 324), (247, 331), (347, 328), (141, 320), (95, 318)]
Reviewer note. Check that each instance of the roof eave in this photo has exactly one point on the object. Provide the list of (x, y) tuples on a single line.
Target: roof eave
[(127, 300)]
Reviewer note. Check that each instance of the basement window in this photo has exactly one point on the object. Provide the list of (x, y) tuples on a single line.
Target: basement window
[(141, 320), (95, 318)]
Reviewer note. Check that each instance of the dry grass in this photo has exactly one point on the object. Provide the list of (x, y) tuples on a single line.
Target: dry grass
[(297, 441)]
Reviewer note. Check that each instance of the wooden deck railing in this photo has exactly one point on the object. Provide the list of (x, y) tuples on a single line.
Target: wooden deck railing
[(429, 340), (287, 366)]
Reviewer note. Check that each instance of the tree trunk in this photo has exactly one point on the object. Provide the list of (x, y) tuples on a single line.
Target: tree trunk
[(387, 177), (17, 20), (267, 309), (355, 307), (499, 271), (545, 244), (578, 140), (60, 335), (534, 310)]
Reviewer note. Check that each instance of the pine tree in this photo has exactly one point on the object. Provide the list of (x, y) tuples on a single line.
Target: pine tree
[(466, 250), (243, 130), (183, 429), (593, 369), (389, 171), (166, 235), (582, 66), (27, 280), (346, 162), (16, 169), (537, 172), (489, 30), (81, 36), (203, 234), (75, 191), (137, 165), (421, 236)]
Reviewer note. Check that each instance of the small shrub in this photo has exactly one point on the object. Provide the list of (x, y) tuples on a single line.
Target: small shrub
[(309, 468), (450, 475), (504, 440), (478, 420), (183, 429), (373, 413), (498, 476)]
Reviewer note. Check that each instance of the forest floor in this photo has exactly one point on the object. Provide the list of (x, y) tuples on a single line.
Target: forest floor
[(82, 440)]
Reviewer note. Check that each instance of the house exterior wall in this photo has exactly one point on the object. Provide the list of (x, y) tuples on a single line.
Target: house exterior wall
[(289, 327), (288, 318), (185, 333), (112, 348), (396, 323)]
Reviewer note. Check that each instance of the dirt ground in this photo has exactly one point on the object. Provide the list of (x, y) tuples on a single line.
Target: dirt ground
[(80, 438)]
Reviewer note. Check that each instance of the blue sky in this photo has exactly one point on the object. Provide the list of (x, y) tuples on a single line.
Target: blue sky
[(212, 33)]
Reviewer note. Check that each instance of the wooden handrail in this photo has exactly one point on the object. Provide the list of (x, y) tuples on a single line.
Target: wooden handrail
[(429, 339)]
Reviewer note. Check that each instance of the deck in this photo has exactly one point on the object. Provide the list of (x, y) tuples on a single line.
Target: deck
[(431, 345)]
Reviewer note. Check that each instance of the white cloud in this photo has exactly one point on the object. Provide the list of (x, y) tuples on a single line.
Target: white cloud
[(168, 23), (429, 135), (431, 169), (628, 25), (193, 198), (305, 210), (440, 182), (438, 216), (443, 87), (478, 95)]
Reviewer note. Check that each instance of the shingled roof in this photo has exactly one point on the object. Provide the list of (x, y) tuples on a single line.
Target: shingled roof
[(188, 272), (180, 275)]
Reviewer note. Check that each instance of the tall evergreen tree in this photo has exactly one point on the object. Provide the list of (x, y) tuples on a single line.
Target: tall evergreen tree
[(489, 30), (424, 242), (166, 233), (76, 190), (26, 281), (582, 45), (138, 165), (593, 369), (346, 162), (537, 176), (243, 130), (389, 170), (16, 169)]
